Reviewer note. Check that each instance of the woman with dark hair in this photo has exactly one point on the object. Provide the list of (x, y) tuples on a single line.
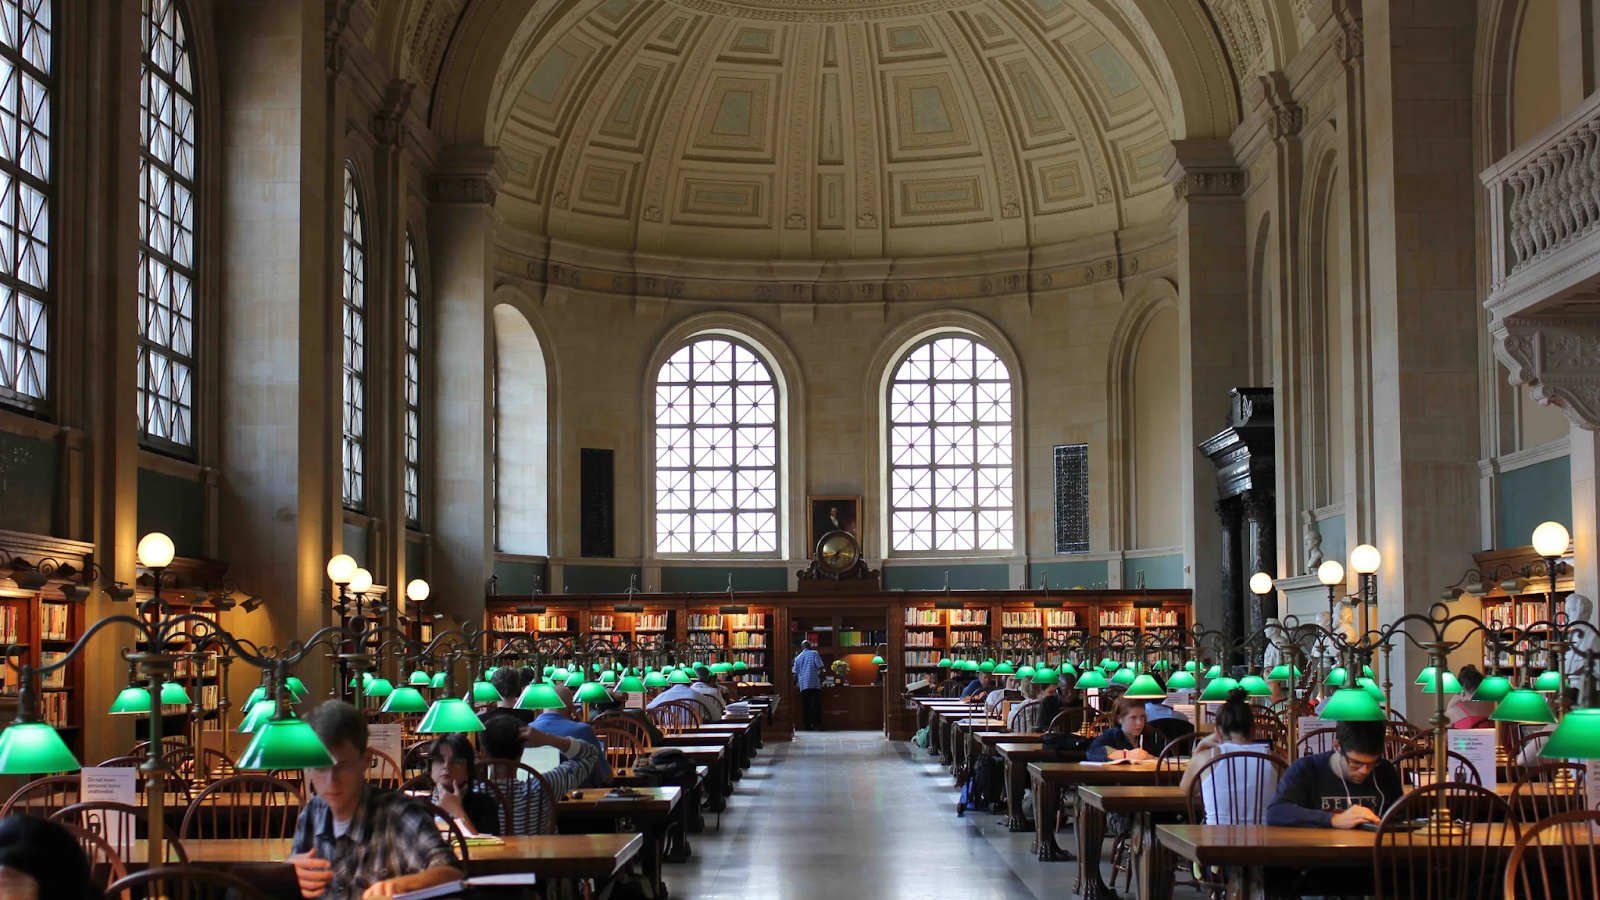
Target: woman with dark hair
[(1235, 733), (1465, 712), (454, 772), (41, 859), (1129, 739)]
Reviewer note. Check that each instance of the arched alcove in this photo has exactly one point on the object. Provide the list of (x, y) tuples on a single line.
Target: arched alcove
[(522, 436), (1157, 435)]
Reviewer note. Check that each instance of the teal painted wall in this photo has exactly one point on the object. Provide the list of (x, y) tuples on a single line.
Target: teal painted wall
[(30, 470), (1085, 573), (1534, 494), (1159, 571), (597, 579), (1333, 537), (174, 506), (355, 545), (518, 577), (931, 578), (697, 579)]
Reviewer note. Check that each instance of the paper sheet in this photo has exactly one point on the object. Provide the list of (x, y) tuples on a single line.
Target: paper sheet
[(1477, 745), (114, 785)]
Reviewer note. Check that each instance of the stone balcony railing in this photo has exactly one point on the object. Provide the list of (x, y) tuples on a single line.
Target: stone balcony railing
[(1544, 219)]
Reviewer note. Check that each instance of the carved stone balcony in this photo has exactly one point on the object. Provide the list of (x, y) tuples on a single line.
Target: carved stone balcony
[(1544, 263)]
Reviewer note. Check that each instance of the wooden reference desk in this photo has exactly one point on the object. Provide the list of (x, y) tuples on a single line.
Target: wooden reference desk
[(1017, 755), (650, 812), (1051, 778)]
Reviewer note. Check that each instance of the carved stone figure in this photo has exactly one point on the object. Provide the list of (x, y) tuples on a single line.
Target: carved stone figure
[(1274, 653), (1312, 539), (1324, 648), (1347, 620), (1579, 609)]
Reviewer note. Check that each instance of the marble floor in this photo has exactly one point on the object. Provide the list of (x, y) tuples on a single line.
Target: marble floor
[(837, 815)]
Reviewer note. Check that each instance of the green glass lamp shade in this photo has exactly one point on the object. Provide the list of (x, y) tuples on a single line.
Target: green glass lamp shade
[(1181, 681), (285, 744), (1093, 678), (34, 748), (438, 680), (1124, 675), (549, 670), (1044, 675), (448, 715), (609, 676), (1162, 665), (1577, 737), (260, 693), (484, 692), (405, 699), (1337, 677), (257, 716), (1107, 662), (986, 666), (1353, 705), (630, 684), (1371, 687), (1256, 685), (132, 700), (1025, 672), (173, 694), (540, 695), (1366, 672), (1217, 690), (419, 678), (1067, 668), (379, 687), (1523, 705), (1283, 673), (560, 674), (360, 679), (592, 692), (1452, 685), (1548, 683), (679, 676), (298, 686), (575, 679), (655, 680), (1145, 687), (946, 663), (1214, 672), (1191, 666), (1425, 676), (723, 668), (741, 666), (1004, 668), (488, 674), (1493, 689)]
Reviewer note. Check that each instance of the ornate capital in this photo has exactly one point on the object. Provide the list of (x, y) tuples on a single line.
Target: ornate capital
[(1349, 41), (388, 123), (1558, 357), (469, 175), (1201, 169)]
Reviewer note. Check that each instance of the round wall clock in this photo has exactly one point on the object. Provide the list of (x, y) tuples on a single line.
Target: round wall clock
[(837, 552)]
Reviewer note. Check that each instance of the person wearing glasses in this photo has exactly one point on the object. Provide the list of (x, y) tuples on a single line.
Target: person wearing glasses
[(354, 841), (1347, 787)]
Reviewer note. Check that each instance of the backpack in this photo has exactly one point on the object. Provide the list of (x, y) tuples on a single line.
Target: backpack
[(986, 785), (921, 737), (1061, 742), (667, 765)]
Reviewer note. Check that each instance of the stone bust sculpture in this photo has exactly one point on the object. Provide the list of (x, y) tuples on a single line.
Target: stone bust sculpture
[(1274, 653), (1311, 538), (1578, 608)]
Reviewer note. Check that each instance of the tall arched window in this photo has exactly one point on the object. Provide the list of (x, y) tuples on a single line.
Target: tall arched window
[(354, 291), (716, 425), (413, 385), (950, 443), (27, 58), (166, 230)]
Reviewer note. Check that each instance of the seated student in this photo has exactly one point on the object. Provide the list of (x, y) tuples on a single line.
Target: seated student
[(710, 696), (503, 738), (708, 712), (40, 859), (978, 687), (454, 773), (1235, 733), (1348, 786), (510, 682), (1464, 712), (352, 837), (636, 716), (1128, 739), (557, 723)]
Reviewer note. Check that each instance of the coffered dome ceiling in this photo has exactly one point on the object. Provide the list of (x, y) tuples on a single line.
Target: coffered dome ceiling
[(830, 129)]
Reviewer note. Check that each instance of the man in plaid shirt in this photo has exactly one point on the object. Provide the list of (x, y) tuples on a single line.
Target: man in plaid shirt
[(504, 738), (353, 841)]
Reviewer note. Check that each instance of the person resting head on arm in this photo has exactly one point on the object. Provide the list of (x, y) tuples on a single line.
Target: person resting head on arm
[(1128, 739), (503, 738), (356, 842), (454, 773), (1349, 786)]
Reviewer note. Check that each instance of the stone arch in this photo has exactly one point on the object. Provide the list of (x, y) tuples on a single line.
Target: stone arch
[(483, 45), (785, 367), (891, 349), (523, 411), (1181, 43), (1145, 302)]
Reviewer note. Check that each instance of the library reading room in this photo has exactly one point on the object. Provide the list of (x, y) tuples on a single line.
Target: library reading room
[(746, 449)]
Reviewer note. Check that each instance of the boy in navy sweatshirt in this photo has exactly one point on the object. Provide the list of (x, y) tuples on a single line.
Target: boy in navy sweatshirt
[(1347, 787)]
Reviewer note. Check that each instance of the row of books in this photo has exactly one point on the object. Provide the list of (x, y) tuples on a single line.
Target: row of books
[(969, 617), (56, 679), (516, 622), (1519, 615), (1125, 618), (923, 657), (920, 639), (185, 668), (55, 708), (968, 637), (650, 622), (753, 660), (1040, 618), (860, 638), (711, 621), (916, 616), (8, 624), (55, 621), (749, 639)]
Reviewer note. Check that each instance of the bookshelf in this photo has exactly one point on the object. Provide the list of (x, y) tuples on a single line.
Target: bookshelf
[(931, 633), (43, 630), (745, 637)]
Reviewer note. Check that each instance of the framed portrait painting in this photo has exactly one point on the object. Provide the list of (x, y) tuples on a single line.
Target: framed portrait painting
[(825, 514)]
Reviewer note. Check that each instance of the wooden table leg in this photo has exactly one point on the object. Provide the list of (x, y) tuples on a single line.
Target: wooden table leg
[(1091, 829), (946, 734), (678, 827), (655, 836), (1016, 784), (1045, 803), (714, 788), (1154, 862)]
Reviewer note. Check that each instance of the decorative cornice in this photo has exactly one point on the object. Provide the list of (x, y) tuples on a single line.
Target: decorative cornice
[(388, 122), (1349, 42), (1558, 357), (468, 175), (336, 18)]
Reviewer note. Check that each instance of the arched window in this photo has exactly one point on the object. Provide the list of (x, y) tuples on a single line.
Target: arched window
[(27, 58), (520, 436), (716, 426), (413, 385), (354, 296), (166, 230), (950, 440)]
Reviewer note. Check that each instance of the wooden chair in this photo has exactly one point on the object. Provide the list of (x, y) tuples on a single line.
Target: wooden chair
[(214, 764), (105, 864), (1416, 766), (622, 746), (1415, 865), (511, 811), (169, 743), (1530, 875), (175, 783), (44, 796), (1174, 756), (1070, 721), (182, 882), (183, 766), (617, 721), (1319, 740), (675, 716), (1409, 731), (1533, 739), (1228, 777), (415, 761), (243, 807), (1395, 746), (1025, 717), (385, 772), (456, 837), (1270, 729), (103, 818), (1541, 792)]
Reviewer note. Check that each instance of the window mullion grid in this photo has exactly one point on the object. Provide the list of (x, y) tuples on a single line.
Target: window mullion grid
[(44, 295)]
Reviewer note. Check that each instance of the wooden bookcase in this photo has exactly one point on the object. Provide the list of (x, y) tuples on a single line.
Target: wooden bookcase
[(44, 630), (746, 637)]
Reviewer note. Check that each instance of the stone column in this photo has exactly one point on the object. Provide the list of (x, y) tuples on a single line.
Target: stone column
[(1213, 351), (1230, 513), (1260, 528), (388, 376), (461, 228)]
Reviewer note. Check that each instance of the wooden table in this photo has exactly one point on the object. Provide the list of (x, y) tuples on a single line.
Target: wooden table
[(690, 821), (1096, 803), (1050, 778), (932, 712), (598, 856), (959, 729), (650, 812), (1017, 755), (712, 756), (744, 741)]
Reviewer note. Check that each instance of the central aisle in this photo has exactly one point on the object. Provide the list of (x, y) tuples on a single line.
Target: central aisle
[(833, 815)]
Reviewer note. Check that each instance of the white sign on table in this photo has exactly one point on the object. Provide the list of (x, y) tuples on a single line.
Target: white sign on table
[(1478, 746), (109, 785), (1308, 724), (385, 739), (1594, 783)]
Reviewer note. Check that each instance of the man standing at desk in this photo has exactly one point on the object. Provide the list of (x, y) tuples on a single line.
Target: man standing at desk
[(808, 678)]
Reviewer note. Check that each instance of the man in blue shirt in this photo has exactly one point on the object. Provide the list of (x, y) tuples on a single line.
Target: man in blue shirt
[(979, 686), (553, 722), (808, 678)]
